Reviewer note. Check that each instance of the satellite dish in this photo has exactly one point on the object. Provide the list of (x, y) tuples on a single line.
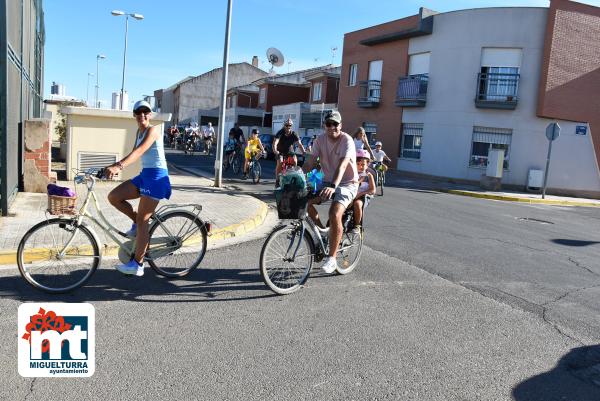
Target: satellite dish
[(274, 57)]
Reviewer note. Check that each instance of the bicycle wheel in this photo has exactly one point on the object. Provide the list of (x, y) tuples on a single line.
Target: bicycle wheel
[(277, 269), (48, 264), (177, 243), (349, 252), (256, 172), (236, 164)]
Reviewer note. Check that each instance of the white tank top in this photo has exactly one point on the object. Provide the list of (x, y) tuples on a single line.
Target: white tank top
[(359, 144)]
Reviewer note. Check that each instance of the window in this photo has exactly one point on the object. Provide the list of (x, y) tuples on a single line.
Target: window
[(498, 83), (370, 131), (262, 95), (353, 74), (484, 139), (412, 135), (317, 91)]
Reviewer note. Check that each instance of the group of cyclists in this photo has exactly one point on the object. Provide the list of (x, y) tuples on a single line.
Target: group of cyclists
[(191, 136), (343, 160)]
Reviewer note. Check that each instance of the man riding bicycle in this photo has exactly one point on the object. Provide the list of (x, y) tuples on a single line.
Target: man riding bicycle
[(283, 146), (337, 155)]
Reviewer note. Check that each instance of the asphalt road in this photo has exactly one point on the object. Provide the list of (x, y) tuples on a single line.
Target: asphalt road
[(456, 299), (541, 259)]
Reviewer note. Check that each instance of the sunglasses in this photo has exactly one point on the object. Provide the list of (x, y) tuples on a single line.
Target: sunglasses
[(287, 126), (331, 124), (142, 111)]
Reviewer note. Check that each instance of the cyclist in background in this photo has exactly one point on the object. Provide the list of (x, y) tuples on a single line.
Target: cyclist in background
[(283, 146), (252, 150), (379, 156)]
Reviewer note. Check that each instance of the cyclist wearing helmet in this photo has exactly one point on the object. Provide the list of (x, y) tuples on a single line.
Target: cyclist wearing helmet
[(283, 146), (379, 156), (253, 146), (366, 186)]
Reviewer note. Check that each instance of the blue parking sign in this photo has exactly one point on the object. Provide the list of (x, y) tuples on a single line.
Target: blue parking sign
[(581, 129)]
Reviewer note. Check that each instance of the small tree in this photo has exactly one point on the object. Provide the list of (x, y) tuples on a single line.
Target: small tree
[(61, 128), (61, 122)]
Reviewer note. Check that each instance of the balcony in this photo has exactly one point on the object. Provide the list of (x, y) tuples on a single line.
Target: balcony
[(412, 91), (497, 91), (370, 93)]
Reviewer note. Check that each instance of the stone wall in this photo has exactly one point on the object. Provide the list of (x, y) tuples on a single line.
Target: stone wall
[(36, 169)]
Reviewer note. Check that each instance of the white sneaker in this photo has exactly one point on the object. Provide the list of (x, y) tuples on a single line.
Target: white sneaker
[(132, 268), (330, 265), (132, 231)]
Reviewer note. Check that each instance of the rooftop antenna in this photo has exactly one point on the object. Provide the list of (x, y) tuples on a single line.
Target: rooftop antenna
[(333, 50), (316, 60), (289, 62), (275, 58)]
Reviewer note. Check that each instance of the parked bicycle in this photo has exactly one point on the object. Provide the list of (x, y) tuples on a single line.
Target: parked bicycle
[(380, 176), (60, 254), (288, 254)]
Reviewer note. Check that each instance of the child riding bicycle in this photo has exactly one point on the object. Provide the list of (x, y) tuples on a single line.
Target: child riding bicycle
[(252, 147)]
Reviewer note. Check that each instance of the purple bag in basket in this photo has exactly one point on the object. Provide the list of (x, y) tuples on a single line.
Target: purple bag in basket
[(60, 191)]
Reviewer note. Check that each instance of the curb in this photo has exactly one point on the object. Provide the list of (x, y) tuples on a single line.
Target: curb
[(234, 230), (518, 199)]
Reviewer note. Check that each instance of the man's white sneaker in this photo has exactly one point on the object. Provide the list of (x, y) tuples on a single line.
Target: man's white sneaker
[(132, 268), (132, 231), (330, 264)]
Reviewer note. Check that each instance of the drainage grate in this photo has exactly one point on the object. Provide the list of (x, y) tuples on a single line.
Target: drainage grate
[(531, 219)]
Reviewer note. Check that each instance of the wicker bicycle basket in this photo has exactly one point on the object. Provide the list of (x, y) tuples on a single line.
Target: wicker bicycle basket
[(59, 205)]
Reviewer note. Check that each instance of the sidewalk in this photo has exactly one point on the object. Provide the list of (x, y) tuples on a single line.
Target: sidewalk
[(231, 214), (398, 179)]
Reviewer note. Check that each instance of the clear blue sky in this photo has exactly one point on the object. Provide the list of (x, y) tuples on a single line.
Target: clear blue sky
[(178, 38)]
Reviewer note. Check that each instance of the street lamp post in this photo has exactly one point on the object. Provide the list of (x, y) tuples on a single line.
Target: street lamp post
[(218, 163), (87, 89), (98, 58), (118, 13)]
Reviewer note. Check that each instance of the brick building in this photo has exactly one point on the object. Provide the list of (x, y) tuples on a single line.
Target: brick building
[(441, 90)]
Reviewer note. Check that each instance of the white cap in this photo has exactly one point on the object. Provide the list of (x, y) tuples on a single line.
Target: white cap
[(378, 143), (141, 103)]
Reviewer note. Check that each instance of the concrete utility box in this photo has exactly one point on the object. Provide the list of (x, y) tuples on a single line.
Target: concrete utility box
[(98, 138), (495, 165)]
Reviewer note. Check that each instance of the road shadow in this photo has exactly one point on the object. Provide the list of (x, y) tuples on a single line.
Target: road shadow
[(576, 377), (574, 242), (205, 284)]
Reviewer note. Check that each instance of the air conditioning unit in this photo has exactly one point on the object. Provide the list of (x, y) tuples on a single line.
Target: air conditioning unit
[(535, 179)]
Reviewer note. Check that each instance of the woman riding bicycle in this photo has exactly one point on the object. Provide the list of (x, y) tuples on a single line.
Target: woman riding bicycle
[(150, 186), (252, 147)]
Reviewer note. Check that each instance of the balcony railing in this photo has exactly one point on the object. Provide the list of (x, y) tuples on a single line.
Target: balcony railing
[(370, 93), (497, 91), (412, 91)]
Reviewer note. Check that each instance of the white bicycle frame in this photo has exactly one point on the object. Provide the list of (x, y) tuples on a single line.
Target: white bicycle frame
[(103, 223)]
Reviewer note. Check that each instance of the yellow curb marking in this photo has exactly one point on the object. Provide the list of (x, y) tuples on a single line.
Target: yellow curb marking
[(10, 257), (522, 200)]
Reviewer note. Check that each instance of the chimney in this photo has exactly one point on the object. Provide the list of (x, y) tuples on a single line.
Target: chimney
[(255, 61)]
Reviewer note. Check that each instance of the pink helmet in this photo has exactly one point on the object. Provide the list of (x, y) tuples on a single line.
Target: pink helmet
[(362, 154)]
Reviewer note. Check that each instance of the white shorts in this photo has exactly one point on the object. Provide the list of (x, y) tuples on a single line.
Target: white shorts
[(344, 194)]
